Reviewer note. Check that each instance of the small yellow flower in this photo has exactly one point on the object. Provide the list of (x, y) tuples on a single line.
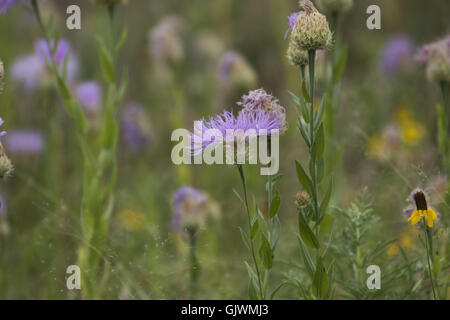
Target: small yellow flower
[(376, 146), (402, 115), (429, 214), (132, 220), (412, 132)]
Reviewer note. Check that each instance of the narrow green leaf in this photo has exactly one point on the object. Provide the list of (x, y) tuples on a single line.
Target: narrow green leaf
[(340, 66), (325, 201), (122, 39), (275, 204), (320, 282), (319, 144), (107, 67), (306, 233), (245, 239), (319, 114), (303, 178), (266, 253), (305, 93), (275, 234), (309, 265)]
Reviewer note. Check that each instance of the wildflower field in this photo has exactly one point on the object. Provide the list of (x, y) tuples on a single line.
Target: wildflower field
[(119, 179)]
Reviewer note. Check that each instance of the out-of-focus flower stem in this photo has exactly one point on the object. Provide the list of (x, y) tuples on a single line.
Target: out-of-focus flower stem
[(429, 249), (252, 249)]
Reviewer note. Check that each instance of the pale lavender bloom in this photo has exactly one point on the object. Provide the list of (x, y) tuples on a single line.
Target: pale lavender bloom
[(89, 95), (44, 50), (27, 71), (136, 128), (165, 42), (260, 100), (425, 53), (226, 63), (5, 5), (260, 121), (2, 133), (187, 202), (398, 51), (292, 19), (24, 142)]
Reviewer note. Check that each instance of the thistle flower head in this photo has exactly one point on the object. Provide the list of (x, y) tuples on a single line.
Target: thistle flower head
[(190, 208), (419, 208), (259, 100), (260, 121), (235, 71), (24, 142), (311, 30), (436, 57), (334, 5)]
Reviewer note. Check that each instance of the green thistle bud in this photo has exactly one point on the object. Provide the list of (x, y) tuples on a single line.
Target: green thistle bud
[(334, 5), (6, 166), (296, 56), (302, 199), (311, 30)]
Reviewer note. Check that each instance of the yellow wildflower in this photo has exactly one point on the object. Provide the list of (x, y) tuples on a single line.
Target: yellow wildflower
[(412, 132), (132, 220), (376, 146), (429, 214)]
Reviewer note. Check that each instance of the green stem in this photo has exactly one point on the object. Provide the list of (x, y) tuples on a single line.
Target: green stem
[(429, 253), (311, 59), (195, 268), (258, 274)]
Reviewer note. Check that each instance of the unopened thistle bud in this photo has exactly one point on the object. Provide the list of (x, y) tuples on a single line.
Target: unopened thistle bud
[(334, 5), (436, 57), (296, 56), (311, 31), (302, 199)]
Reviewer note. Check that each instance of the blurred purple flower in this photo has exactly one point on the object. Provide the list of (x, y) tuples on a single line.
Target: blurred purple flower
[(226, 63), (27, 71), (136, 128), (187, 202), (44, 50), (398, 50), (260, 121), (5, 5), (2, 133), (292, 19), (89, 95), (424, 53), (24, 142)]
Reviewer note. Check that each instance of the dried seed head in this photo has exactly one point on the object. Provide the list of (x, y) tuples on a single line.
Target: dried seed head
[(311, 30), (334, 5), (302, 199)]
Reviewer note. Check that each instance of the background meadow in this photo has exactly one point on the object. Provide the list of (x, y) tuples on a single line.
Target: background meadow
[(184, 60)]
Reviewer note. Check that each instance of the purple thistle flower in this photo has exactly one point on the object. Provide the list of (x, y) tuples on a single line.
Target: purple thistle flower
[(292, 19), (426, 52), (259, 121), (89, 95), (2, 133), (136, 128), (27, 71), (44, 50), (260, 100), (188, 204), (226, 64), (26, 142), (398, 50), (5, 5)]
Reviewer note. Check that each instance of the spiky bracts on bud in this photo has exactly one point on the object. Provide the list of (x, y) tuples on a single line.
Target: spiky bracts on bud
[(334, 5), (302, 199), (296, 56), (311, 30)]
